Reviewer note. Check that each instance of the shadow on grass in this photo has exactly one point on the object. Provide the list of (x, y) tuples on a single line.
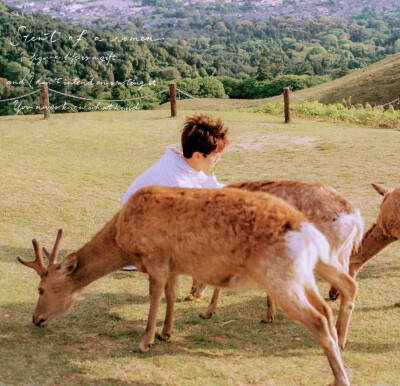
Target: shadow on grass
[(386, 307), (373, 348), (94, 331), (376, 269), (234, 325)]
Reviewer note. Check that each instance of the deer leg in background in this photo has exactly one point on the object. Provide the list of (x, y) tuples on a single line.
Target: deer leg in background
[(197, 291), (156, 286), (271, 311), (171, 290), (212, 308)]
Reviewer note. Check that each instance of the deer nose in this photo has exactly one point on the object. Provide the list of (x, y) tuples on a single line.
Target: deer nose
[(39, 323)]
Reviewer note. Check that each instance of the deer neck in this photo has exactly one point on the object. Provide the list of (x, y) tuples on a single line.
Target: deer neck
[(98, 257), (374, 240)]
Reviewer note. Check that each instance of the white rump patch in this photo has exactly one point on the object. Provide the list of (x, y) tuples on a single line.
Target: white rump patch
[(306, 245)]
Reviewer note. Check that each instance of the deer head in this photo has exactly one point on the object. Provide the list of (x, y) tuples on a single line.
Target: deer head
[(56, 290), (389, 215)]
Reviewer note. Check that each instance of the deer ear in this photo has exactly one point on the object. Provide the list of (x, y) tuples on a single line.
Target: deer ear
[(382, 190), (69, 264)]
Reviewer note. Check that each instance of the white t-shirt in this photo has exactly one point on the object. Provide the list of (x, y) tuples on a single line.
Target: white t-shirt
[(172, 170)]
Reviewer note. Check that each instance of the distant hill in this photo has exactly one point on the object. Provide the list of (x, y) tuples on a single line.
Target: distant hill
[(378, 83)]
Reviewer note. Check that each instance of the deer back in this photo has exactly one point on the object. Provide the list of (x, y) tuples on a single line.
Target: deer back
[(317, 201), (189, 227)]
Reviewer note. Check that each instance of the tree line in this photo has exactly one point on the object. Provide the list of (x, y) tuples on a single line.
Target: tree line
[(207, 57)]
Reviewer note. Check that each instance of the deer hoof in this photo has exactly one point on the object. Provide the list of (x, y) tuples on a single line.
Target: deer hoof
[(192, 298), (342, 345), (164, 338), (206, 316), (268, 319), (142, 349), (333, 294), (397, 304)]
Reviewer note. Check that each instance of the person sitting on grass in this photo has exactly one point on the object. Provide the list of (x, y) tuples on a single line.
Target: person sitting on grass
[(203, 141)]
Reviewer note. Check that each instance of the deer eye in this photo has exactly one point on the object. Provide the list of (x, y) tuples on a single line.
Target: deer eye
[(41, 291)]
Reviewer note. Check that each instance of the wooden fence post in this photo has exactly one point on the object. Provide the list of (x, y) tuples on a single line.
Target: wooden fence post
[(286, 101), (172, 93), (45, 99)]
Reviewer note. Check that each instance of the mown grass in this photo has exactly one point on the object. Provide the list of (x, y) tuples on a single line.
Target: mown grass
[(72, 171)]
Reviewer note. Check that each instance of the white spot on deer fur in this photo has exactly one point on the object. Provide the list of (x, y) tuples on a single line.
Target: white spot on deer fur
[(157, 238)]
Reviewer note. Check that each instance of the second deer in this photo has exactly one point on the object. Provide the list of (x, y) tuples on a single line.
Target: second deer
[(333, 215)]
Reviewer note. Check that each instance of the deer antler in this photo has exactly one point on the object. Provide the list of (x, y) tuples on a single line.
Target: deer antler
[(54, 254), (38, 264)]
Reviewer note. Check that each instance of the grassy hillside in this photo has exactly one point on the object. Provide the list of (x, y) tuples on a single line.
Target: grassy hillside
[(72, 170), (378, 83)]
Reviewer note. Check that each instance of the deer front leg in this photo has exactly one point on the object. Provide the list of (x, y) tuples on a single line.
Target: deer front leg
[(171, 289), (212, 308), (271, 312), (156, 287)]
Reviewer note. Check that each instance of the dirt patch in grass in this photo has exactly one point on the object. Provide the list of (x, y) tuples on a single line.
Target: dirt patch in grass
[(267, 142)]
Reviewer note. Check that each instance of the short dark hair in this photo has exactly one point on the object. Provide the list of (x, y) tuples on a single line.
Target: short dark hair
[(203, 134)]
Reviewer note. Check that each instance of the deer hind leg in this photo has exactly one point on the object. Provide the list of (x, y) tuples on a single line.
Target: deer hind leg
[(156, 287), (320, 305), (171, 289), (212, 307), (347, 287), (303, 303), (271, 311)]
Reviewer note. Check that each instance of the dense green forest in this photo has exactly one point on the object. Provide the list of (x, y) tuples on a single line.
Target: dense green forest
[(208, 57)]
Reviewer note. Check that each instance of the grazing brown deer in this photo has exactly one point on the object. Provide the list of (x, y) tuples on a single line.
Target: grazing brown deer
[(333, 215), (383, 232), (216, 236)]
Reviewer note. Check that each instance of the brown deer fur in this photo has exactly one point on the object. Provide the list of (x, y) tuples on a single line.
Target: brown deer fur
[(216, 236), (384, 231), (335, 217)]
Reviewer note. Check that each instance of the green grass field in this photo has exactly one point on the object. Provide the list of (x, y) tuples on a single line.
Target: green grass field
[(72, 171)]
